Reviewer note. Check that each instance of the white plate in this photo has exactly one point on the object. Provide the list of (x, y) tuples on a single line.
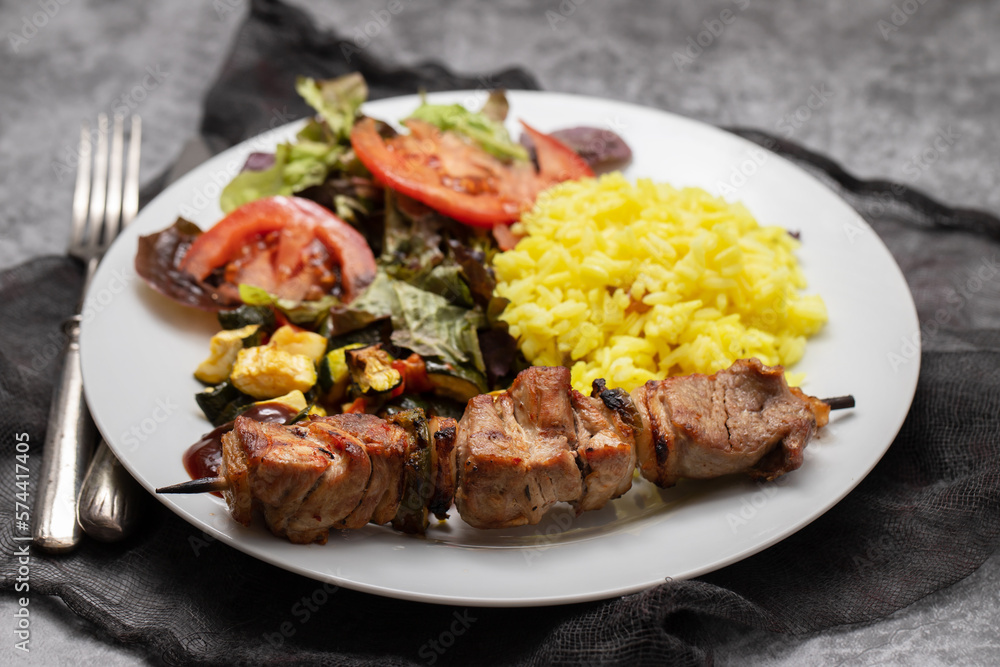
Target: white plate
[(139, 351)]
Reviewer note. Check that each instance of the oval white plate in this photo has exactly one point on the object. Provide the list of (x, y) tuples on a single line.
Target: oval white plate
[(139, 352)]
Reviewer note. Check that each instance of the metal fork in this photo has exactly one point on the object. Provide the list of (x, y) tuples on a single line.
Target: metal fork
[(101, 208)]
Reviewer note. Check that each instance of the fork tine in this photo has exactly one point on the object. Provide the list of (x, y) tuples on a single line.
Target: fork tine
[(113, 208), (130, 203), (81, 191), (99, 185)]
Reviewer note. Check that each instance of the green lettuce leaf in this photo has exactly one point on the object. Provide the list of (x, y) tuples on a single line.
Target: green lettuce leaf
[(297, 166), (337, 101), (321, 147), (490, 134), (424, 322), (301, 313)]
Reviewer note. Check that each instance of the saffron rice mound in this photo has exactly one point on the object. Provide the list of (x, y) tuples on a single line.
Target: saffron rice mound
[(635, 282)]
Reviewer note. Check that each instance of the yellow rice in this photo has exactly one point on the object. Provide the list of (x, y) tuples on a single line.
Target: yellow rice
[(634, 282)]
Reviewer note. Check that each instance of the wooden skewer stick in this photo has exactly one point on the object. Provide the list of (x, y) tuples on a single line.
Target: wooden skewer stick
[(839, 402), (203, 485)]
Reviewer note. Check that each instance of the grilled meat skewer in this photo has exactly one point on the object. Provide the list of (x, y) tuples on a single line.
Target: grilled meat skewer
[(515, 454)]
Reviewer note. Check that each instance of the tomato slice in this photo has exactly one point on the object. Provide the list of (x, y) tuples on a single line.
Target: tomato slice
[(557, 162), (272, 238), (461, 180)]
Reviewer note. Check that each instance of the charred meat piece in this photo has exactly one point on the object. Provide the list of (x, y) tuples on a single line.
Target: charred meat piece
[(386, 447), (540, 398), (516, 454), (605, 452), (491, 461), (742, 419), (234, 469), (280, 467), (338, 492), (339, 471), (444, 430)]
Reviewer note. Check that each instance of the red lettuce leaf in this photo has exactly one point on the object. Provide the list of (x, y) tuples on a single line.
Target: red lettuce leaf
[(158, 260)]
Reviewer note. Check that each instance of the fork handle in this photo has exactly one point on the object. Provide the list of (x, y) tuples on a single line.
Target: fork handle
[(69, 440)]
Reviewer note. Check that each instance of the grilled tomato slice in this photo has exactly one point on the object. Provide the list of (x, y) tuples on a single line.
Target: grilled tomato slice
[(459, 179)]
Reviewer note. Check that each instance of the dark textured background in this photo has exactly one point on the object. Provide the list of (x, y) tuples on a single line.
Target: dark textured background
[(888, 99)]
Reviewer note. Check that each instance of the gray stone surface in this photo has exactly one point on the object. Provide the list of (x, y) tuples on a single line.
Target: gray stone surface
[(882, 96)]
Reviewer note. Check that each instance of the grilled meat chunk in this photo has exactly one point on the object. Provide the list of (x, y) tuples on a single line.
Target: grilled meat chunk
[(385, 444), (540, 398), (444, 430), (516, 455), (491, 462), (742, 419), (605, 452), (339, 471), (234, 468), (338, 492)]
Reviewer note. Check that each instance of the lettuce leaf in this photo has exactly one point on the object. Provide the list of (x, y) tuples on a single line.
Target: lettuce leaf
[(321, 147), (302, 313), (489, 134), (297, 166), (337, 101), (424, 322)]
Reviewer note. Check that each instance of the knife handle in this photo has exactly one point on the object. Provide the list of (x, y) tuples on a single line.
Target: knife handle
[(111, 501), (69, 440)]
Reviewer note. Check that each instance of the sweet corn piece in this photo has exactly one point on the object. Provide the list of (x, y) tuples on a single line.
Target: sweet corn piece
[(293, 341), (267, 372), (222, 354), (293, 400)]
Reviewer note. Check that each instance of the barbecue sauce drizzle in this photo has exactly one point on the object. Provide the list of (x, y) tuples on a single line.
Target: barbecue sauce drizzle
[(204, 458)]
